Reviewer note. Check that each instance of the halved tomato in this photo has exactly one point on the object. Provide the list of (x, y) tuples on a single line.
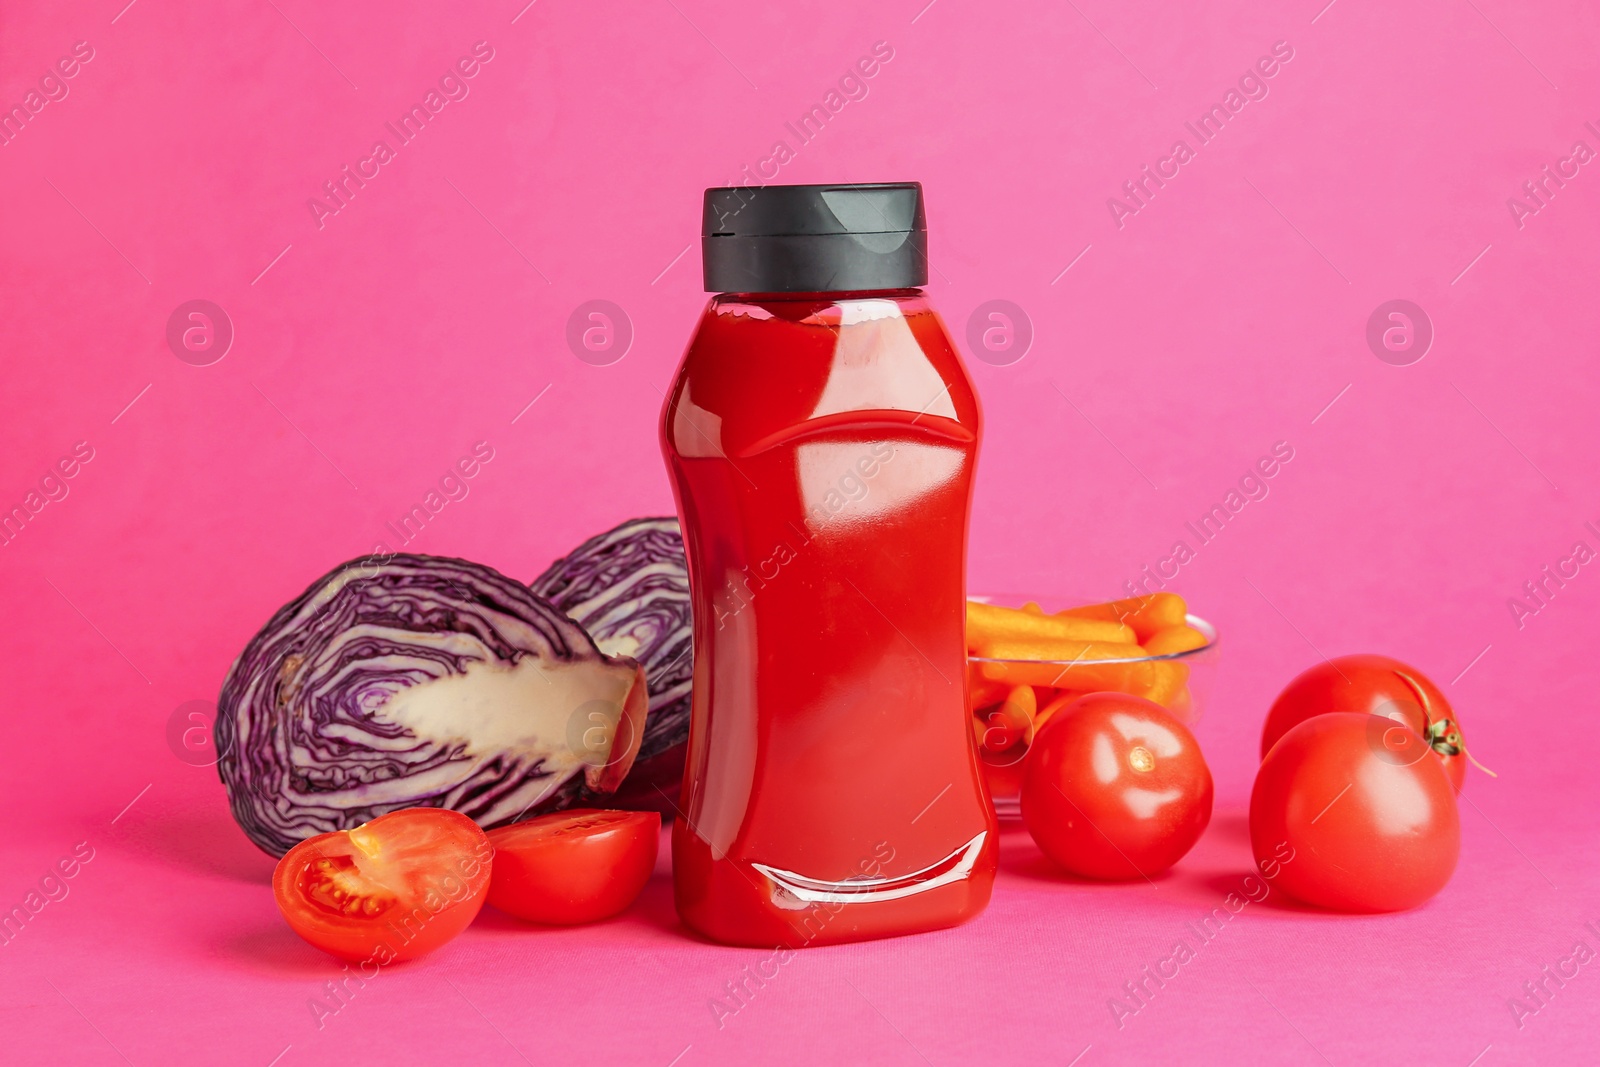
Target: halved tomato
[(575, 866), (391, 889)]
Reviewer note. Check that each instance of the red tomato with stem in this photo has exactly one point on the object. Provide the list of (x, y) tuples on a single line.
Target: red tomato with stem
[(1115, 788), (1363, 830), (1373, 685), (572, 867), (389, 890)]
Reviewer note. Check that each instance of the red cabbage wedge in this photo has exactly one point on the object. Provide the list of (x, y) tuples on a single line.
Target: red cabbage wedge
[(409, 681), (629, 587)]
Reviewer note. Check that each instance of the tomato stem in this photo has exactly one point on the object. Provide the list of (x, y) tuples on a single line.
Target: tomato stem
[(1478, 765), (1445, 738)]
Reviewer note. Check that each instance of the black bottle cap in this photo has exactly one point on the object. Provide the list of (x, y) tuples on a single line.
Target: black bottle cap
[(814, 238)]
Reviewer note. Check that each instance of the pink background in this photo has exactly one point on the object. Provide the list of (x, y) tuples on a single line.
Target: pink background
[(1224, 316)]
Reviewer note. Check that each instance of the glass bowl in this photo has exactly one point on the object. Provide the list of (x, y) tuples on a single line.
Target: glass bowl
[(1181, 680)]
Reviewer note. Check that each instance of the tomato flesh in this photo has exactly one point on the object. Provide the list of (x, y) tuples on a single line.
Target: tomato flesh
[(1346, 825), (1115, 788), (572, 867), (392, 889), (1373, 685)]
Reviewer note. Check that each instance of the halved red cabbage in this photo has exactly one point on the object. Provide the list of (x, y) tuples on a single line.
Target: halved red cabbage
[(629, 588), (407, 681)]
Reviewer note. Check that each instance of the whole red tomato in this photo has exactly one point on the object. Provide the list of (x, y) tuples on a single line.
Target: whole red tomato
[(1373, 685), (1361, 830), (1115, 788)]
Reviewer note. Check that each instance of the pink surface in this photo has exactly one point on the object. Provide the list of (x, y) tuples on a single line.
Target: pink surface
[(1228, 313)]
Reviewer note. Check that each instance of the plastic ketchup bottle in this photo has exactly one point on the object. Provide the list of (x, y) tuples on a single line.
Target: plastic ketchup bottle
[(821, 435)]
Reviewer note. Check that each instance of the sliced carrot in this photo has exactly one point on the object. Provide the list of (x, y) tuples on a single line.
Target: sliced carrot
[(1003, 774), (1088, 675), (1053, 648), (1146, 614), (1062, 698), (983, 691), (1110, 610), (1020, 705), (1018, 709), (1011, 723), (986, 622), (1174, 639), (1032, 608), (1182, 706), (1169, 684), (1023, 699)]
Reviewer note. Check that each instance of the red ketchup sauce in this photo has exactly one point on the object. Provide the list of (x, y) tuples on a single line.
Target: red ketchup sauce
[(821, 447)]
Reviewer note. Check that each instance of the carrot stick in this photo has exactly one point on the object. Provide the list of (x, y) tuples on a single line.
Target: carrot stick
[(987, 621), (1011, 723), (1074, 664), (1087, 675), (1054, 648), (1169, 684), (1146, 614), (1174, 639), (1018, 710), (1182, 706), (983, 691), (1062, 698), (1022, 701)]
